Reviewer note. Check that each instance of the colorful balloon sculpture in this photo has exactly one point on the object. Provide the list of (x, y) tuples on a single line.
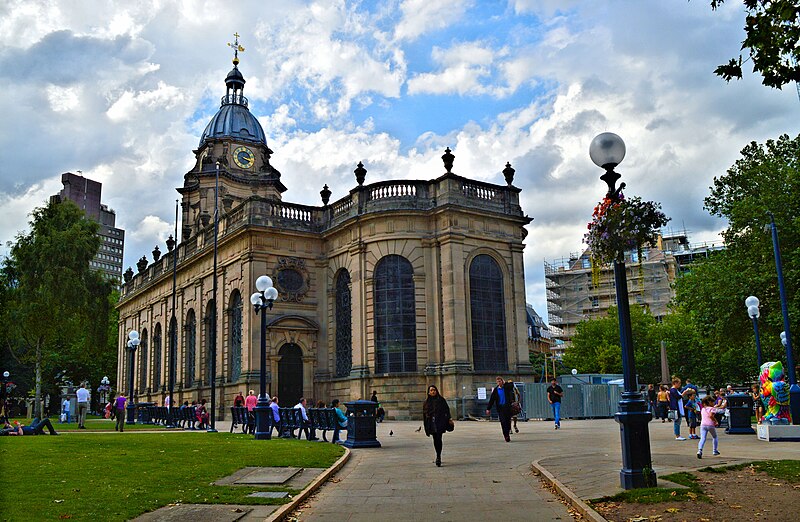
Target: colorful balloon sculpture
[(775, 394)]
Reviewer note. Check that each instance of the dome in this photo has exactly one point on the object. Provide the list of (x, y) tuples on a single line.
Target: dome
[(233, 119)]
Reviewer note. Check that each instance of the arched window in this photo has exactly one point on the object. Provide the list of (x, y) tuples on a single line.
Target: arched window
[(172, 352), (395, 318), (235, 336), (189, 349), (143, 362), (487, 307), (157, 357), (209, 320), (344, 332)]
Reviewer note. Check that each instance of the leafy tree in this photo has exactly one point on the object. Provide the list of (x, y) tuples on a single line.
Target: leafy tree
[(772, 41), (55, 308), (712, 295), (596, 348)]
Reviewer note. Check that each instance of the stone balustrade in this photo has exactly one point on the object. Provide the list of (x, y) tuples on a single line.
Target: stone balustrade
[(382, 196)]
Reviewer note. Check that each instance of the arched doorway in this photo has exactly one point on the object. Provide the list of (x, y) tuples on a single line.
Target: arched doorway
[(290, 375)]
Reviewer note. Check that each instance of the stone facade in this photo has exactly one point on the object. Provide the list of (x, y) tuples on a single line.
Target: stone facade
[(461, 238)]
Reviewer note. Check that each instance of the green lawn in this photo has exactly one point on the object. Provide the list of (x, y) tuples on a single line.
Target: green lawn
[(95, 476), (93, 423)]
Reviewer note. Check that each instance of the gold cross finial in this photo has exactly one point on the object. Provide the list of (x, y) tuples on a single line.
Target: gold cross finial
[(236, 48)]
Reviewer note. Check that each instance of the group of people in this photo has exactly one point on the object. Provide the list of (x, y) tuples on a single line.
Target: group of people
[(682, 402), (251, 401), (505, 398)]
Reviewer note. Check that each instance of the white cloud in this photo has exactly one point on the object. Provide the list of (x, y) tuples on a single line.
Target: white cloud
[(423, 16), (131, 104), (123, 94), (63, 98)]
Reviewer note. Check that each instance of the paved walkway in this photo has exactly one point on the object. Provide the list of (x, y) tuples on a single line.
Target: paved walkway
[(484, 478)]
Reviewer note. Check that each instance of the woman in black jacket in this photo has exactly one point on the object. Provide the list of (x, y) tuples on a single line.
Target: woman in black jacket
[(436, 418)]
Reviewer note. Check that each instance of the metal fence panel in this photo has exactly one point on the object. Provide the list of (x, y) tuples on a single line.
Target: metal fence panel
[(580, 401)]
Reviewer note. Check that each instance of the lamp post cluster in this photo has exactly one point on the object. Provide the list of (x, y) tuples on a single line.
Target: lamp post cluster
[(133, 343), (262, 301), (751, 303), (607, 150)]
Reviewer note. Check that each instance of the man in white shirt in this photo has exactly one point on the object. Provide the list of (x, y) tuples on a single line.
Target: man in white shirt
[(306, 422), (83, 396)]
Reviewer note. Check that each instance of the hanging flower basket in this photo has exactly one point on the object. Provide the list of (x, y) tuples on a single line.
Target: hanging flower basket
[(622, 224)]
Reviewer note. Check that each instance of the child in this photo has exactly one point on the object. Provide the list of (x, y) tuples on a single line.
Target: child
[(691, 415), (708, 425)]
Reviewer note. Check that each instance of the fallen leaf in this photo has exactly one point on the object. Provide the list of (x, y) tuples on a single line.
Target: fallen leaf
[(672, 510), (674, 493), (58, 501), (735, 506), (691, 495)]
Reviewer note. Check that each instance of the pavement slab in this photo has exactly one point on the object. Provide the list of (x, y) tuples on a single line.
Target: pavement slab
[(482, 476)]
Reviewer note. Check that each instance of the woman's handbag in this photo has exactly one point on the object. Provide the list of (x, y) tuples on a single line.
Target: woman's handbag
[(450, 425), (516, 409), (672, 415)]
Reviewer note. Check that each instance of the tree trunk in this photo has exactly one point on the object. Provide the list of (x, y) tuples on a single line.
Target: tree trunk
[(37, 407)]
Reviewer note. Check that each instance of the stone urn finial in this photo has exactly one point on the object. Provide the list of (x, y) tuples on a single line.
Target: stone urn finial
[(156, 254), (508, 172), (361, 173), (141, 265), (448, 159), (325, 193), (128, 275), (170, 243)]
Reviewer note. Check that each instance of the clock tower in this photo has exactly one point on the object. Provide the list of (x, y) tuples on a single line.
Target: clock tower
[(233, 146)]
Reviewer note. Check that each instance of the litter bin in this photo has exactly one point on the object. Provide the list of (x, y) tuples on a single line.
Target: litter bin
[(361, 431), (740, 408)]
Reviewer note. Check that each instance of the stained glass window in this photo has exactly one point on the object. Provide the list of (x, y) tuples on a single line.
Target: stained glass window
[(191, 346), (487, 305), (344, 333), (395, 317), (209, 324), (157, 357), (143, 362), (235, 336)]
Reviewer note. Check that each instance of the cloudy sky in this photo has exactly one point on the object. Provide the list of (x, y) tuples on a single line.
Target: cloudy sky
[(122, 91)]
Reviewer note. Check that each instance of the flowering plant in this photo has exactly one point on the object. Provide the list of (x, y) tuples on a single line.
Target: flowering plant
[(622, 224)]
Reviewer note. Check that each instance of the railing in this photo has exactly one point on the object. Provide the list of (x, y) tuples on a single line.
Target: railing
[(418, 195), (291, 211), (392, 190), (230, 99), (342, 206), (472, 190)]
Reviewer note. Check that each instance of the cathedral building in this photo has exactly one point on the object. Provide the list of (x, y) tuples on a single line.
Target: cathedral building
[(389, 288)]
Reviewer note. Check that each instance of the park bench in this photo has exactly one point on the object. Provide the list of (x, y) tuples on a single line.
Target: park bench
[(322, 419), (187, 415), (291, 419), (241, 417)]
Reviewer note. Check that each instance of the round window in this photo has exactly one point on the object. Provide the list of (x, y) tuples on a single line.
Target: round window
[(290, 280)]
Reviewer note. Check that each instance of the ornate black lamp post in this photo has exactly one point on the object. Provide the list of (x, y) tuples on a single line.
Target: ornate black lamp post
[(262, 301), (4, 403), (607, 151), (786, 336), (752, 310), (133, 343)]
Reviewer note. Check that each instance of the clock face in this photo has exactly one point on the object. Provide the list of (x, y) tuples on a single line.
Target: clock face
[(244, 157)]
